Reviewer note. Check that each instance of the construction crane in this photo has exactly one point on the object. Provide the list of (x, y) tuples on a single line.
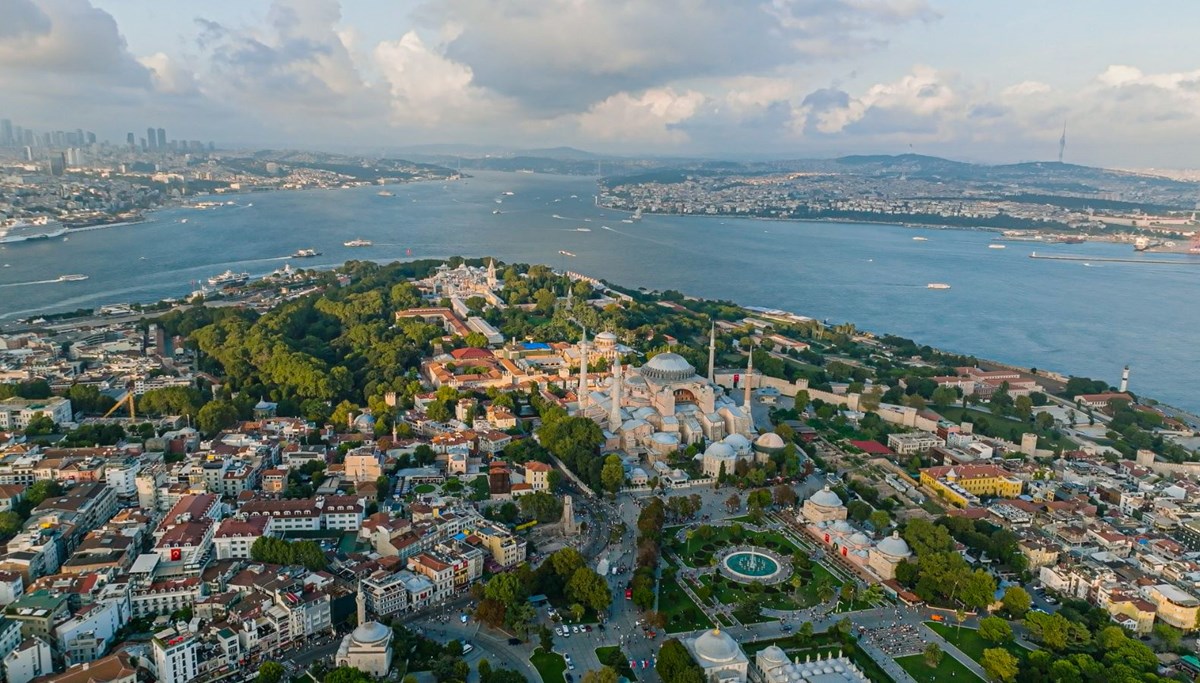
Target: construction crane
[(128, 398)]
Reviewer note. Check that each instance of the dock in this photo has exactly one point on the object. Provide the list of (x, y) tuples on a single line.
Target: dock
[(1105, 259)]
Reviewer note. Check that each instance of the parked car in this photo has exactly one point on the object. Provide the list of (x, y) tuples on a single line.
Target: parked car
[(514, 641)]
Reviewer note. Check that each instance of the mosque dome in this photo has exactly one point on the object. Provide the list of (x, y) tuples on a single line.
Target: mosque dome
[(371, 632), (720, 449), (606, 338), (773, 656), (668, 367), (843, 527), (826, 498), (716, 646), (769, 441), (860, 539), (665, 439), (737, 442), (894, 546)]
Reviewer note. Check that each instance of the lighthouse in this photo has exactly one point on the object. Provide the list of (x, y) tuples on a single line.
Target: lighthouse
[(1125, 379)]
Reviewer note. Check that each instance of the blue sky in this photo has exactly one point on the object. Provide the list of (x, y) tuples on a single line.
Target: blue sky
[(982, 81)]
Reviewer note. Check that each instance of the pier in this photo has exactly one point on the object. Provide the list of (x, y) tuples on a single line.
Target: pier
[(1105, 259)]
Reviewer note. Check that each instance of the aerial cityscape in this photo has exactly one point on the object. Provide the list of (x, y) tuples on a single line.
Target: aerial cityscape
[(486, 342)]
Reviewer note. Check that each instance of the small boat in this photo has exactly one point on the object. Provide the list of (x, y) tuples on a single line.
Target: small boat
[(495, 212), (508, 194), (565, 253), (997, 246), (305, 253), (937, 285), (920, 239), (626, 220), (66, 239), (583, 229), (72, 278), (183, 220), (358, 243), (8, 265), (385, 193)]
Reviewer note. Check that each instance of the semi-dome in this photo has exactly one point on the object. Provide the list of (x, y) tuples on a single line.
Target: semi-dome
[(668, 367), (715, 646), (826, 498), (371, 632), (769, 441), (720, 449), (895, 546)]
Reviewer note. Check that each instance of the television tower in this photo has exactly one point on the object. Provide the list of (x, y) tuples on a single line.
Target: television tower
[(1062, 143)]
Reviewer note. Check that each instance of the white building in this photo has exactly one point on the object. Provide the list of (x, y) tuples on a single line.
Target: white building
[(174, 656), (87, 634), (234, 538), (28, 660), (368, 647), (720, 657), (16, 413)]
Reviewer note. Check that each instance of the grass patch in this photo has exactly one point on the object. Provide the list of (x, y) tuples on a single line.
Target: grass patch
[(550, 665), (699, 553), (969, 641), (949, 671), (682, 614), (613, 656), (423, 488), (1003, 427)]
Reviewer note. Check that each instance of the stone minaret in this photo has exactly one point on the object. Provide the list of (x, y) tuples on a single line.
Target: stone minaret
[(749, 378), (491, 273), (361, 601), (712, 354), (614, 410), (583, 366)]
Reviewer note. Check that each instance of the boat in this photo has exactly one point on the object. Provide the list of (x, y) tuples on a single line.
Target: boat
[(229, 279), (996, 246), (495, 212), (22, 230), (508, 194), (637, 215), (305, 253), (937, 285), (66, 239), (920, 239), (385, 193), (565, 253), (626, 220), (1142, 244), (74, 277), (183, 220), (358, 243), (583, 229)]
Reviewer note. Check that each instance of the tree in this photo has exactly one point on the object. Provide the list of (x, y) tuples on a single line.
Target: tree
[(215, 416), (613, 474), (733, 503), (879, 519), (824, 589), (605, 674), (1168, 635), (675, 665), (1023, 407), (545, 638), (999, 664), (944, 397), (40, 424), (933, 655), (784, 495), (270, 672), (849, 592), (347, 674), (589, 588), (41, 490), (1016, 601), (995, 630), (10, 524), (476, 340)]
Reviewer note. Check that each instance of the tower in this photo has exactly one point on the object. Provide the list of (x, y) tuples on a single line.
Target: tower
[(491, 274), (161, 134), (749, 378), (614, 409), (151, 139), (712, 354), (361, 601), (583, 369), (568, 517), (1062, 143), (1125, 379)]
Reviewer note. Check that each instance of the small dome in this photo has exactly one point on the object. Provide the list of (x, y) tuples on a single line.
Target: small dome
[(770, 440), (665, 439), (826, 498), (773, 656), (371, 632), (860, 539), (843, 527), (737, 441), (716, 646), (894, 546), (606, 338), (720, 449), (670, 367)]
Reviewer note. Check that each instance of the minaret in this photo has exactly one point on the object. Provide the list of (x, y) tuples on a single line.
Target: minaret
[(749, 378), (712, 354), (1125, 379), (491, 274), (361, 601), (614, 410), (583, 367)]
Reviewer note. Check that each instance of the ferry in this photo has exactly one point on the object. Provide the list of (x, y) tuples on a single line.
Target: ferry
[(74, 277), (229, 279), (996, 246), (305, 253), (937, 285), (358, 243), (21, 230)]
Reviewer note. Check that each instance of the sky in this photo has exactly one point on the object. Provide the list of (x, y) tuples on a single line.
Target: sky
[(991, 82)]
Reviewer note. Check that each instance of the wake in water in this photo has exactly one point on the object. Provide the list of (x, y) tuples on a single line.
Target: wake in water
[(34, 282)]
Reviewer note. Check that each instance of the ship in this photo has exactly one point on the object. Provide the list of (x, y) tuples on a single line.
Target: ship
[(229, 279), (21, 230), (920, 239), (1142, 244), (358, 243), (74, 277), (385, 193), (996, 246), (495, 212), (305, 253), (937, 285)]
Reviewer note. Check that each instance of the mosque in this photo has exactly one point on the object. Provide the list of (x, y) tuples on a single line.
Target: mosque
[(663, 405), (826, 518), (368, 647)]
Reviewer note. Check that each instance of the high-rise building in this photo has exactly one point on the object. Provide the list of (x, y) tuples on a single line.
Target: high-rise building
[(151, 139), (130, 140), (91, 138), (6, 133), (162, 138), (28, 153), (174, 656)]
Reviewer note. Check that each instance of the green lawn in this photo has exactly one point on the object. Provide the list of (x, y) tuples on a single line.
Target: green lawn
[(1003, 427), (550, 665), (682, 614), (697, 553), (423, 488), (611, 655), (949, 671), (968, 640)]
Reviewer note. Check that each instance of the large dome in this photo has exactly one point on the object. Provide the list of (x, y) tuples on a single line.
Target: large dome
[(894, 546), (371, 632), (606, 338), (769, 441), (737, 441), (669, 367), (826, 498), (715, 646), (665, 439), (720, 449)]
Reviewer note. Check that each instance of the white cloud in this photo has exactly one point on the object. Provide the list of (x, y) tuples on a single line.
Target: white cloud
[(426, 88), (1025, 89), (646, 118)]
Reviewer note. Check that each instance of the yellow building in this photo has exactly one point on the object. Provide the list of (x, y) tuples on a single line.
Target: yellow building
[(1140, 612), (363, 465), (1175, 607), (961, 485), (537, 475)]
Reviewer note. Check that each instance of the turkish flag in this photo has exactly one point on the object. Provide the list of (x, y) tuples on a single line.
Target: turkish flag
[(176, 554)]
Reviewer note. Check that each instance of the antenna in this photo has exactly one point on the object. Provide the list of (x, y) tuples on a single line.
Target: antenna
[(1062, 143)]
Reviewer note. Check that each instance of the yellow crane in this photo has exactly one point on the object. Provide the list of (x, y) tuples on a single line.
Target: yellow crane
[(127, 399)]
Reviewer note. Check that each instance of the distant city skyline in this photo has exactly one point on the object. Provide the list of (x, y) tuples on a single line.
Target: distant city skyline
[(973, 81)]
